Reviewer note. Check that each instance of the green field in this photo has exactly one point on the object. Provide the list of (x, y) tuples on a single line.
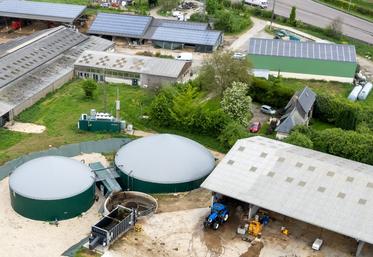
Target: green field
[(60, 112)]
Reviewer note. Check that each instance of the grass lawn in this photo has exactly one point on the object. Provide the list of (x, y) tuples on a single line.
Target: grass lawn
[(319, 125), (60, 112)]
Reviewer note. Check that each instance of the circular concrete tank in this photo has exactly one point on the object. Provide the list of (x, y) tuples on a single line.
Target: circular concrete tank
[(163, 163), (52, 188)]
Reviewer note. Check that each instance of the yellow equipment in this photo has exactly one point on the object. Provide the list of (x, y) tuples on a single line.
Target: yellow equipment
[(255, 228), (138, 228), (284, 231)]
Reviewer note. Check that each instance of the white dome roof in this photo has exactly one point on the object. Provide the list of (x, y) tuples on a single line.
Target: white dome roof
[(51, 178), (165, 158)]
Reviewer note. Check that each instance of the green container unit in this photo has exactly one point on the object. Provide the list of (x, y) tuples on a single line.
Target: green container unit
[(303, 65), (52, 188), (100, 125), (163, 163)]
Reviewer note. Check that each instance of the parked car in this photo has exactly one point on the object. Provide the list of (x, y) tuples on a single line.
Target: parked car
[(176, 13), (255, 127), (267, 110), (184, 57), (260, 3), (239, 56)]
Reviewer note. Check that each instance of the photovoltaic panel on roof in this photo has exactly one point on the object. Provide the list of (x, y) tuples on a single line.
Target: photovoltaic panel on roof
[(123, 25), (41, 10), (308, 50), (179, 24), (187, 36)]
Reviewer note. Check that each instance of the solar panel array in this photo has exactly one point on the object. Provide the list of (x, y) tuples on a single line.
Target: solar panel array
[(308, 50), (123, 25), (187, 36), (179, 24), (22, 61), (40, 10)]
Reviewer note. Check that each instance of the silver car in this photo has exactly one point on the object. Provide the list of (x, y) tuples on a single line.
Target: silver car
[(267, 110)]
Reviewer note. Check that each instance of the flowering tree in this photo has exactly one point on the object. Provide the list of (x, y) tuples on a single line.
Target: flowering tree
[(236, 103)]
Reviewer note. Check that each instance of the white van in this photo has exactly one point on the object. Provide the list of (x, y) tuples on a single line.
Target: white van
[(261, 3), (184, 57)]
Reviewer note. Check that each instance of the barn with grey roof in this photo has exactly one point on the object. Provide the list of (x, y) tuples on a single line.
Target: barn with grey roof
[(131, 69), (162, 33), (55, 12), (33, 66), (327, 191), (304, 60)]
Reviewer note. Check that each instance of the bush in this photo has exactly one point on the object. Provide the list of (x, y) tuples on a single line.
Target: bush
[(339, 111), (230, 21), (236, 103), (89, 86), (198, 17), (231, 133), (299, 139), (293, 15), (269, 92), (160, 107), (348, 144)]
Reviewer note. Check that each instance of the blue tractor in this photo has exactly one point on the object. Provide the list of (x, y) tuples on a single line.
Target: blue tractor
[(219, 214)]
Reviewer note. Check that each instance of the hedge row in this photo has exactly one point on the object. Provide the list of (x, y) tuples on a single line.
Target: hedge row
[(352, 7)]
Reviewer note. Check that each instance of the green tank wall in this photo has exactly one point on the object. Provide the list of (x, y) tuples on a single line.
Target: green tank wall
[(50, 210), (306, 66), (149, 187)]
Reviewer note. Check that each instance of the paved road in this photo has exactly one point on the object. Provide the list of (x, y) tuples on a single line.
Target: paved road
[(320, 15)]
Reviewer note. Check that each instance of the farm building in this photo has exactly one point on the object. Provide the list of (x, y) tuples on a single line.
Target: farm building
[(43, 11), (131, 69), (162, 33), (326, 191), (52, 188), (33, 66), (304, 60), (298, 111), (163, 163)]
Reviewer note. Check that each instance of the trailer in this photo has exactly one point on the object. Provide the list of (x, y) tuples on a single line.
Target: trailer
[(112, 226)]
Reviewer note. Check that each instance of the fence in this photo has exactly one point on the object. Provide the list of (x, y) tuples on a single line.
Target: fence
[(101, 146)]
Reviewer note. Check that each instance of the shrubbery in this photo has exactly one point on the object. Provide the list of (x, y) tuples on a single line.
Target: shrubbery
[(182, 107), (271, 93), (231, 133), (350, 6), (344, 143), (231, 21)]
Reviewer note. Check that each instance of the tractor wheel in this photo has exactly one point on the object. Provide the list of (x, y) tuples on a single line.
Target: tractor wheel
[(226, 216), (215, 226), (205, 224)]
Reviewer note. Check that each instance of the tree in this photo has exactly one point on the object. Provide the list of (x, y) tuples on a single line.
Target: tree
[(160, 107), (89, 86), (236, 103), (168, 5), (335, 28), (299, 139), (231, 133), (220, 70), (293, 15), (184, 106)]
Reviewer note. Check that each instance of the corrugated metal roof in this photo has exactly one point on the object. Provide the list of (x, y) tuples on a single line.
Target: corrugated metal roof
[(321, 189), (123, 25), (179, 24), (35, 79), (66, 13), (132, 63), (187, 36), (308, 50), (24, 59), (51, 178), (164, 159)]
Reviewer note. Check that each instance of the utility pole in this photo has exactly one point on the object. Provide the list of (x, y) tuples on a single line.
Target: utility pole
[(273, 14), (117, 106)]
